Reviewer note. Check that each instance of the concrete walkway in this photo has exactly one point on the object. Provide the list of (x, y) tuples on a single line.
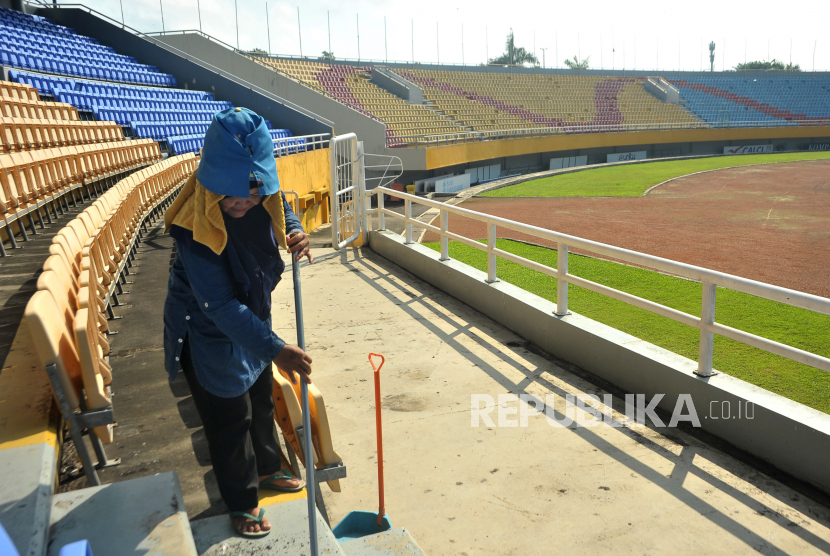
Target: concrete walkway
[(521, 490), (459, 489)]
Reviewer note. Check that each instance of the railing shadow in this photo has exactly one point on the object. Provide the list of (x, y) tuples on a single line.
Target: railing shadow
[(377, 272)]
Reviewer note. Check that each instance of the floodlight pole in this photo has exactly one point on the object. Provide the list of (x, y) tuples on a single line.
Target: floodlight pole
[(412, 31), (357, 16), (299, 31), (268, 27), (385, 47), (236, 12), (437, 44), (543, 56), (199, 10), (122, 13), (162, 16), (328, 18), (462, 45)]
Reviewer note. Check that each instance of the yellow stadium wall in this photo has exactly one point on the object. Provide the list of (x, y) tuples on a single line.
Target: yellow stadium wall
[(309, 175), (451, 155)]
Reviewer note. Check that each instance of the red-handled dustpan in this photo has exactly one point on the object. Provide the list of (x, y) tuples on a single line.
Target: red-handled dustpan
[(358, 523)]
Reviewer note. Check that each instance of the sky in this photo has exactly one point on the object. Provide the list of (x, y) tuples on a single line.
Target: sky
[(638, 34)]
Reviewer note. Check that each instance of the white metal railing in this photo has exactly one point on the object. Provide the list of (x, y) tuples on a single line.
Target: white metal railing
[(300, 143), (526, 133), (710, 279)]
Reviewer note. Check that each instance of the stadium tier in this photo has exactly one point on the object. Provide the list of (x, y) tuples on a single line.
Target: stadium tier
[(352, 85), (498, 101), (35, 43), (178, 116), (733, 101)]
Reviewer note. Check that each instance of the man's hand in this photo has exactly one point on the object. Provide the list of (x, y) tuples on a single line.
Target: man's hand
[(298, 245), (294, 360)]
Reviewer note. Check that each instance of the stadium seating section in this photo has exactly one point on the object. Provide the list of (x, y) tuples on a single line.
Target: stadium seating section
[(499, 101), (35, 43), (49, 154), (89, 258), (352, 85), (736, 101), (93, 78), (179, 117)]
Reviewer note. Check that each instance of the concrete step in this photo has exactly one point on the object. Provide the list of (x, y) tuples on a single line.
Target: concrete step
[(395, 542), (140, 516), (216, 536)]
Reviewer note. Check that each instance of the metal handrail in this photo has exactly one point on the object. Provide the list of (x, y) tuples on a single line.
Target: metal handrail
[(189, 57), (471, 136), (313, 142), (710, 279)]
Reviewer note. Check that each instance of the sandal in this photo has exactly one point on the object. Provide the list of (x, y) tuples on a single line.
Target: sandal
[(268, 484), (257, 520)]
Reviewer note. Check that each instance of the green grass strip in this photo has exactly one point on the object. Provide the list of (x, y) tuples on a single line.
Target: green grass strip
[(633, 180), (769, 319)]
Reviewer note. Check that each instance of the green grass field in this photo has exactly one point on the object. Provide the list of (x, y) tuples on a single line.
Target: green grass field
[(633, 180), (789, 325)]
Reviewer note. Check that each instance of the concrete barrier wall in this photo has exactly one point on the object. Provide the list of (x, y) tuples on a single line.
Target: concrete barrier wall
[(397, 85), (309, 175), (790, 436)]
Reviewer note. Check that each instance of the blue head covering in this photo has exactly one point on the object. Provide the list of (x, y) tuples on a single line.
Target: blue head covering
[(238, 150)]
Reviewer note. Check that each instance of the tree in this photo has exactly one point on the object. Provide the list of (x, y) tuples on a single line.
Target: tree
[(772, 65), (712, 56), (513, 55), (258, 52), (327, 56), (576, 64)]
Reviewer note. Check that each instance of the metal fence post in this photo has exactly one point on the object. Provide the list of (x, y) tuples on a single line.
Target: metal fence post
[(445, 241), (381, 216), (561, 280), (408, 215), (707, 338), (491, 257)]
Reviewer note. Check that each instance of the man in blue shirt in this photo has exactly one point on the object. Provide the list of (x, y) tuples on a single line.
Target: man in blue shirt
[(228, 223)]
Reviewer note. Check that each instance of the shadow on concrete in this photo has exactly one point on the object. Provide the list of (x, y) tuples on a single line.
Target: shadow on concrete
[(377, 272)]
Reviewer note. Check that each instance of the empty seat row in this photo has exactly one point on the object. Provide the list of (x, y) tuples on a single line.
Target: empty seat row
[(31, 181), (50, 85), (18, 134), (89, 257)]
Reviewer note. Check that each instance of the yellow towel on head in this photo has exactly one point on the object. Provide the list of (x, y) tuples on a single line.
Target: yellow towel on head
[(197, 209)]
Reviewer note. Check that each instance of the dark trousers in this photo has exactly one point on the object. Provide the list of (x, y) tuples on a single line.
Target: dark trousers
[(240, 435)]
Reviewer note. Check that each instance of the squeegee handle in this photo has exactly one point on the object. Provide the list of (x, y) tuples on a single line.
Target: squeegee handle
[(310, 484), (381, 504)]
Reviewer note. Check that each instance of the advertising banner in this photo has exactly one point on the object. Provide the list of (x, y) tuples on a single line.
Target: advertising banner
[(818, 147), (622, 157), (453, 184), (568, 162), (748, 149)]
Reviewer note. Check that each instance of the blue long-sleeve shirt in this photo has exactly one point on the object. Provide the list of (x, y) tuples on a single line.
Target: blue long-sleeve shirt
[(230, 341)]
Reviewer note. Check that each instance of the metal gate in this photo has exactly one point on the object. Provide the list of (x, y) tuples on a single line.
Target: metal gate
[(348, 186), (347, 189)]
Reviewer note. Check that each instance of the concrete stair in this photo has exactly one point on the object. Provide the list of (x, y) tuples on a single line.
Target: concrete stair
[(215, 536), (141, 516), (147, 516), (395, 542)]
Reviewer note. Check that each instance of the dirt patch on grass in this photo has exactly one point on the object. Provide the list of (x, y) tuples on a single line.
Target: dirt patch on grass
[(770, 224)]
